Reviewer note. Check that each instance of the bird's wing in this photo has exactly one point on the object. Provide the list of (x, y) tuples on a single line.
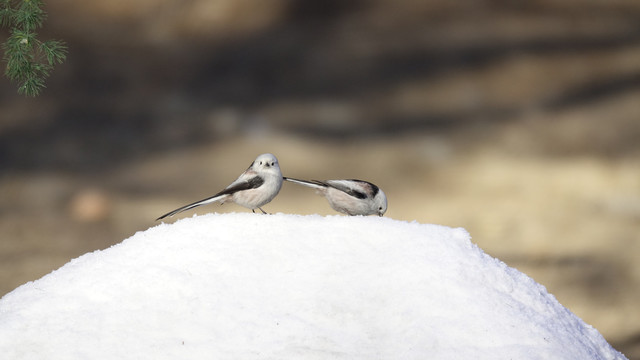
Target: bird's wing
[(243, 183), (310, 184), (236, 186), (370, 188), (350, 187)]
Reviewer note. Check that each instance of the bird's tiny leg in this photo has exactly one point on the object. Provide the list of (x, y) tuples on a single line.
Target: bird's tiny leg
[(253, 211), (264, 212)]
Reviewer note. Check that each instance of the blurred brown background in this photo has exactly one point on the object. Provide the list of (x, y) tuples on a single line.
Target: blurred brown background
[(519, 121)]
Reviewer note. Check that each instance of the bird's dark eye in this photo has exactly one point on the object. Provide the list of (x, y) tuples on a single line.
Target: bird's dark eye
[(272, 163), (260, 162), (380, 208)]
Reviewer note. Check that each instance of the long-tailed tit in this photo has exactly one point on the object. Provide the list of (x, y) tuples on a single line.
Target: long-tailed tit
[(351, 197), (255, 187)]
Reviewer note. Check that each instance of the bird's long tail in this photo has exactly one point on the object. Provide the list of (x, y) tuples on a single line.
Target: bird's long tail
[(192, 205), (311, 184)]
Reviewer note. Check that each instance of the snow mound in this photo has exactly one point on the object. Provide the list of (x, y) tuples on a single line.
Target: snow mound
[(247, 286)]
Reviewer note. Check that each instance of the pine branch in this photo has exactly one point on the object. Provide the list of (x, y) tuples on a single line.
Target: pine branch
[(29, 60), (55, 51)]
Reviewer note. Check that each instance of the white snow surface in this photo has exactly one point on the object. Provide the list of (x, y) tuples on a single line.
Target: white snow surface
[(249, 286)]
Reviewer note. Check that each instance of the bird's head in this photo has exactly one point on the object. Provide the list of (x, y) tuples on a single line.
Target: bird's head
[(380, 201), (266, 162)]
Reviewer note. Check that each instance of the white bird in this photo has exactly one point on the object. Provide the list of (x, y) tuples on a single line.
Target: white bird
[(351, 197), (255, 187)]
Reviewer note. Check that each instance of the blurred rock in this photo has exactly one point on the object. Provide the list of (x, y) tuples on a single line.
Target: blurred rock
[(90, 205)]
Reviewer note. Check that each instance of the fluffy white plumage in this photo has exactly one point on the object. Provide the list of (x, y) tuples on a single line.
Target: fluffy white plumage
[(255, 187)]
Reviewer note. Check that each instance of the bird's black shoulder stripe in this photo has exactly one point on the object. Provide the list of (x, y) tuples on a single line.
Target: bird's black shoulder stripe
[(374, 189), (356, 194), (252, 183), (255, 182)]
